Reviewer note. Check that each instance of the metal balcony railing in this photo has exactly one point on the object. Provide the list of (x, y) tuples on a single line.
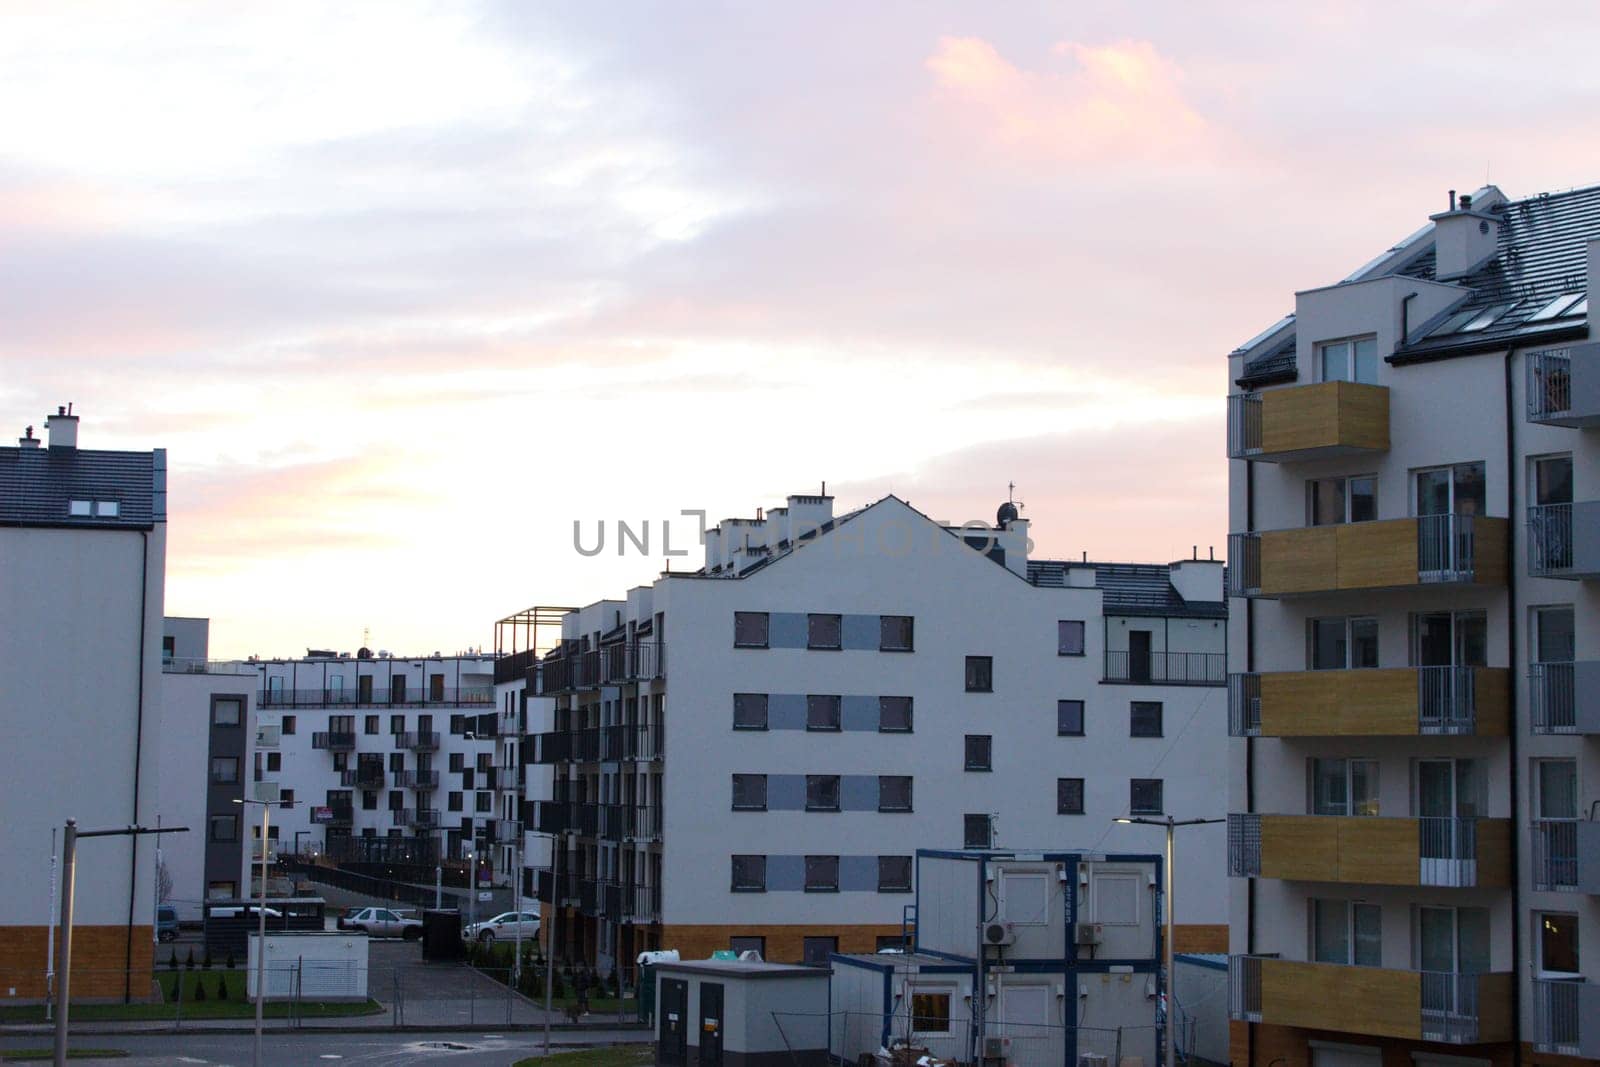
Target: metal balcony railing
[(1447, 700), (1244, 564), (643, 822), (641, 903), (1244, 425), (426, 780), (1549, 539), (1449, 1007), (1558, 1021), (1549, 385), (1446, 548), (424, 818), (1167, 668), (551, 817), (418, 740), (507, 831), (407, 698), (554, 747), (1448, 848), (613, 823), (334, 741), (1244, 846), (362, 778), (613, 742), (1552, 698), (1555, 854), (1244, 705), (1244, 988)]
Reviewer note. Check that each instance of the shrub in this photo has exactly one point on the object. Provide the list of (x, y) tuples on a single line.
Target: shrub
[(205, 964), (558, 987), (231, 964), (172, 961), (199, 991), (614, 984), (190, 962), (222, 987)]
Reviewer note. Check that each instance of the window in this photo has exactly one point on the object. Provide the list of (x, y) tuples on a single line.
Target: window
[(1069, 718), (894, 874), (397, 800), (894, 633), (397, 724), (979, 753), (894, 715), (749, 792), (749, 711), (1450, 639), (1344, 786), (1558, 942), (930, 1013), (1457, 490), (750, 629), (397, 762), (369, 800), (371, 724), (227, 712), (757, 945), (1069, 796), (823, 631), (822, 792), (1144, 796), (980, 674), (274, 762), (1346, 932), (822, 712), (1144, 718), (224, 827), (1349, 361), (80, 508), (288, 726), (453, 803), (1069, 637), (286, 797), (341, 761), (975, 831), (105, 509), (889, 943), (749, 874), (469, 778), (1338, 644), (222, 890), (485, 801), (822, 874), (894, 792), (1330, 501), (815, 951), (457, 761), (224, 769)]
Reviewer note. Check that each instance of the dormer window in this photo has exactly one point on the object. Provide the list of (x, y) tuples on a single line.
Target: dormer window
[(85, 509), (1355, 360)]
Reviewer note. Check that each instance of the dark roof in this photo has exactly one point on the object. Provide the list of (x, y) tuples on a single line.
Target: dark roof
[(37, 486), (1276, 364), (1129, 588)]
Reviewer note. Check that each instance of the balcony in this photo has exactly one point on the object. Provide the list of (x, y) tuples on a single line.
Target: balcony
[(1391, 702), (1320, 421), (1564, 386), (1369, 850), (641, 823), (553, 817), (1411, 1005), (1566, 855), (375, 698), (1564, 540), (1564, 698), (1560, 1007), (421, 818), (1367, 556), (362, 778), (333, 814), (554, 747), (508, 832), (613, 822), (424, 780), (334, 742), (1167, 668), (418, 740), (640, 903)]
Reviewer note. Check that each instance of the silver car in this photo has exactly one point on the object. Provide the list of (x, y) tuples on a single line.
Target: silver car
[(504, 926), (384, 922)]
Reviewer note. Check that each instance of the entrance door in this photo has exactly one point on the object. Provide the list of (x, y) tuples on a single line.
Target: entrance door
[(364, 689), (674, 1030), (1138, 655), (710, 1024)]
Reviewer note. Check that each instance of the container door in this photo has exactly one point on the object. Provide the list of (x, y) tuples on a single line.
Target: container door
[(674, 1022), (711, 1024)]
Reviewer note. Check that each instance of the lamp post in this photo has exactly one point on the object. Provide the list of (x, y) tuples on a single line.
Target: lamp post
[(266, 807), (1170, 936)]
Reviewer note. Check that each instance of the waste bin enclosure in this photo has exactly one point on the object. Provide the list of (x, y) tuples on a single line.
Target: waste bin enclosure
[(441, 934), (737, 1013)]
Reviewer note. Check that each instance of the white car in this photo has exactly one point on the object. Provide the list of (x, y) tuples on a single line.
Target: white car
[(384, 922), (503, 926)]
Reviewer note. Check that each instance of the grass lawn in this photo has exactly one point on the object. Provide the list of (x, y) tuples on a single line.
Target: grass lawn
[(612, 1056), (23, 1055), (234, 1006)]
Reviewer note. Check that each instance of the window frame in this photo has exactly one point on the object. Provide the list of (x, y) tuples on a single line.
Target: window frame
[(734, 799), (1063, 645), (838, 713), (967, 823), (910, 801), (1348, 641), (892, 886), (758, 884), (224, 762), (821, 860), (987, 741), (985, 665), (766, 711), (1161, 796), (929, 997), (229, 819), (911, 634), (909, 727), (1352, 360), (222, 722), (820, 782), (1083, 709), (766, 629), (1062, 808), (813, 619), (1348, 777), (286, 725), (1134, 708), (1347, 499)]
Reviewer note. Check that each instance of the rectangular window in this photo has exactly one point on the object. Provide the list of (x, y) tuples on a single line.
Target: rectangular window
[(979, 753), (749, 792), (1144, 718), (457, 761), (397, 762), (1342, 643), (980, 674), (1456, 490), (1069, 718), (749, 874), (227, 712), (822, 792), (894, 633), (750, 629), (274, 762), (1331, 501), (454, 802), (823, 631), (1343, 786), (224, 827), (286, 797), (369, 800), (1349, 361), (397, 724), (1069, 637), (822, 712), (894, 792), (749, 711), (224, 769), (288, 726), (1558, 943), (930, 1013), (1069, 796), (485, 801), (894, 874), (397, 800), (740, 945), (370, 725), (1346, 933), (894, 715), (1144, 796), (975, 831), (822, 874)]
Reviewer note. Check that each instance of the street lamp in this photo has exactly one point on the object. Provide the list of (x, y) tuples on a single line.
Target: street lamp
[(1171, 933), (266, 807)]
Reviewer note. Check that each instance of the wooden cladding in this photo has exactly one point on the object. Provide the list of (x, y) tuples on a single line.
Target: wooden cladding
[(1372, 555), (1371, 703), (1323, 420), (1365, 850), (1370, 1000)]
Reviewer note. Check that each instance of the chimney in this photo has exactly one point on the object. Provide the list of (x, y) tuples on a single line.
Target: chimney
[(27, 440), (1466, 234), (62, 428)]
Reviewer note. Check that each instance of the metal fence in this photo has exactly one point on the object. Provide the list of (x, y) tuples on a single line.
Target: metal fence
[(1557, 1016), (1549, 539), (1244, 845), (1449, 1007), (1447, 700), (1244, 705), (1167, 668), (1552, 698), (852, 1034), (1446, 548), (1244, 564), (1244, 425), (1549, 384), (1555, 854)]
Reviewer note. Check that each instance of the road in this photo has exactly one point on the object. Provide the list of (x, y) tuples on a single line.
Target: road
[(304, 1049)]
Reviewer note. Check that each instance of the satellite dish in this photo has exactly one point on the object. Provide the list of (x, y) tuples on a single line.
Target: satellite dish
[(1007, 513)]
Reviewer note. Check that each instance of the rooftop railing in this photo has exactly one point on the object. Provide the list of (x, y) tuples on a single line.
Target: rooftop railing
[(409, 698)]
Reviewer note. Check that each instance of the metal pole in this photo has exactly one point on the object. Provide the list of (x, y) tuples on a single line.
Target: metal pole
[(261, 936), (516, 895), (472, 881), (438, 887), (50, 942), (1170, 939), (69, 847), (550, 933)]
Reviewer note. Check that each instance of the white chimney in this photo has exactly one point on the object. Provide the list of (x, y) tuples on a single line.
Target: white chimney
[(62, 428), (1197, 580), (1467, 234), (27, 440)]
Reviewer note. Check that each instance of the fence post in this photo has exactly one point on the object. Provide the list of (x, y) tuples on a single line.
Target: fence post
[(399, 1006), (177, 1022), (1119, 1045)]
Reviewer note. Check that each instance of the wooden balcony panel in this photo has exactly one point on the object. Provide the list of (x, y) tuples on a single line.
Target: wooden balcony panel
[(1299, 848), (1377, 555), (1367, 556), (1494, 1006), (1374, 851), (1493, 687), (1360, 850), (1299, 561), (1323, 996), (1491, 556), (1368, 703), (1494, 853), (1324, 420)]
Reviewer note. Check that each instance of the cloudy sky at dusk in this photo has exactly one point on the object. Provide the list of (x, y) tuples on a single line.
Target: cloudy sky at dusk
[(407, 289)]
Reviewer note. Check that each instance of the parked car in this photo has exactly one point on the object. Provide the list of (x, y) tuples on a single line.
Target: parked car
[(385, 922), (252, 911), (343, 922), (504, 925), (166, 922)]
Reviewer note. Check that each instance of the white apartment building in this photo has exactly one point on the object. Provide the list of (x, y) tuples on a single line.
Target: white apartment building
[(520, 640), (841, 691), (383, 760), (82, 569), (1412, 460)]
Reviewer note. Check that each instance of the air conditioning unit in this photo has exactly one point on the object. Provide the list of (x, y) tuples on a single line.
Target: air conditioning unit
[(996, 1048), (1089, 934), (999, 934)]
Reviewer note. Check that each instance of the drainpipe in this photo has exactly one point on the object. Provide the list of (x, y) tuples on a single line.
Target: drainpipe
[(1250, 745), (138, 753), (1512, 620)]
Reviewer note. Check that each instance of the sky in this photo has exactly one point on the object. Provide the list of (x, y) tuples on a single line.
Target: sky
[(407, 290)]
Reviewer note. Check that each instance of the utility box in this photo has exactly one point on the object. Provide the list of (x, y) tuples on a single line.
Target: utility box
[(740, 1013), (312, 966), (441, 934)]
